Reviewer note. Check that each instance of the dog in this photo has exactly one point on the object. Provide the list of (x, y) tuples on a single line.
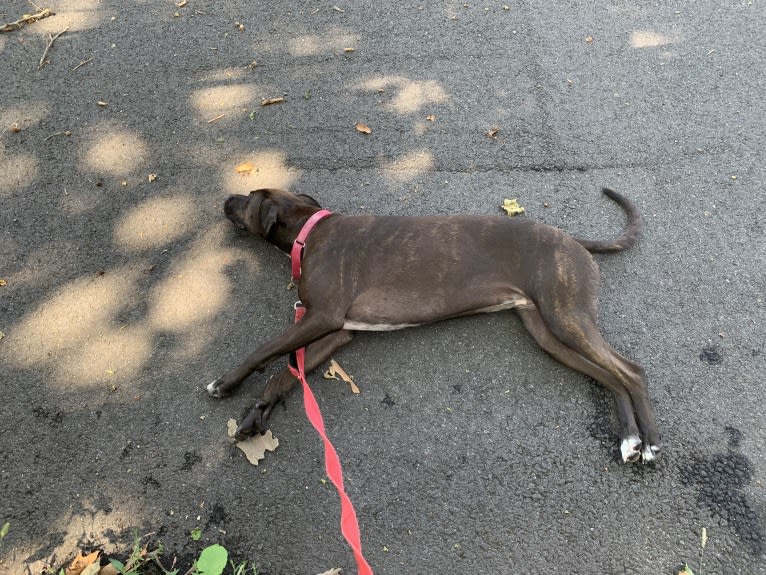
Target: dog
[(382, 273)]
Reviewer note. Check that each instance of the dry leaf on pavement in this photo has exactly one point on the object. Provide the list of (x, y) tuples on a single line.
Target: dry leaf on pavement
[(512, 207), (254, 447), (336, 370), (81, 563), (364, 128), (245, 168)]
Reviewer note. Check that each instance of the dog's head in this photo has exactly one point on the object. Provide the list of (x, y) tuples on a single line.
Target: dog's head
[(271, 214)]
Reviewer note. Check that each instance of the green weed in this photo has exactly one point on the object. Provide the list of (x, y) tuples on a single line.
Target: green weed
[(703, 542), (212, 560), (139, 558)]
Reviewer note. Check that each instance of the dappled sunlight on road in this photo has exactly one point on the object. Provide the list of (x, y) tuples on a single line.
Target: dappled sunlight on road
[(413, 99), (81, 312), (410, 96), (332, 41), (155, 223), (453, 9), (39, 264), (102, 327), (85, 515), (197, 288), (116, 152), (18, 171), (210, 103), (24, 115), (409, 166), (224, 75), (649, 39), (269, 170), (74, 14), (81, 332), (100, 508), (114, 355)]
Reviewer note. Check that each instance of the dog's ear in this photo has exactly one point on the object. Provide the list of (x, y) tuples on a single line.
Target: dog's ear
[(311, 200), (267, 216)]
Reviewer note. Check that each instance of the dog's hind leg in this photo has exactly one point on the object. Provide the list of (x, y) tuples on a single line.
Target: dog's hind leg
[(625, 379), (280, 385)]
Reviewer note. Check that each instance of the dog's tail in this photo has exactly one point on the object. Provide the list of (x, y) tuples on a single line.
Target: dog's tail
[(628, 237)]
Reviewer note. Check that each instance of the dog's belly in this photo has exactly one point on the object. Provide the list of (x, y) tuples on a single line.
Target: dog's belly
[(361, 324), (518, 301)]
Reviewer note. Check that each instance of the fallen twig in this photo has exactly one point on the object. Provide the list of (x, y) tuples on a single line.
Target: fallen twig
[(48, 47), (211, 120), (65, 133), (26, 19), (270, 101), (82, 64)]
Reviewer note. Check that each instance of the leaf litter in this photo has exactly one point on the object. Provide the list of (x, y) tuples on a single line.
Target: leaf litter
[(512, 207), (245, 168), (255, 447), (84, 564), (335, 371)]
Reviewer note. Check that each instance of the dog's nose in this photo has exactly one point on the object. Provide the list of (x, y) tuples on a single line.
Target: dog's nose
[(233, 208), (232, 204)]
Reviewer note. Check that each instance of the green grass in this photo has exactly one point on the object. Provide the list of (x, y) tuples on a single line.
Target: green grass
[(212, 560)]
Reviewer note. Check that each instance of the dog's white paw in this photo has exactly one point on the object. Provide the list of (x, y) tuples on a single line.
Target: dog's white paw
[(630, 449), (212, 388), (649, 453)]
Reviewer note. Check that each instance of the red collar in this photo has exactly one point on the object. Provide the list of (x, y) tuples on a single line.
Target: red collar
[(297, 252)]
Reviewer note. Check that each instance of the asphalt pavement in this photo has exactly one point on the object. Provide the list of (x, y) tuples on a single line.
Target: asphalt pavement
[(124, 126)]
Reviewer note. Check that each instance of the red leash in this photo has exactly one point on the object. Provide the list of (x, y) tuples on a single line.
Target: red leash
[(349, 526)]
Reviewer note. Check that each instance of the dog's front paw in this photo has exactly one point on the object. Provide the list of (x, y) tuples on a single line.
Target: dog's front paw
[(216, 389), (630, 449), (633, 449), (254, 422), (649, 453)]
